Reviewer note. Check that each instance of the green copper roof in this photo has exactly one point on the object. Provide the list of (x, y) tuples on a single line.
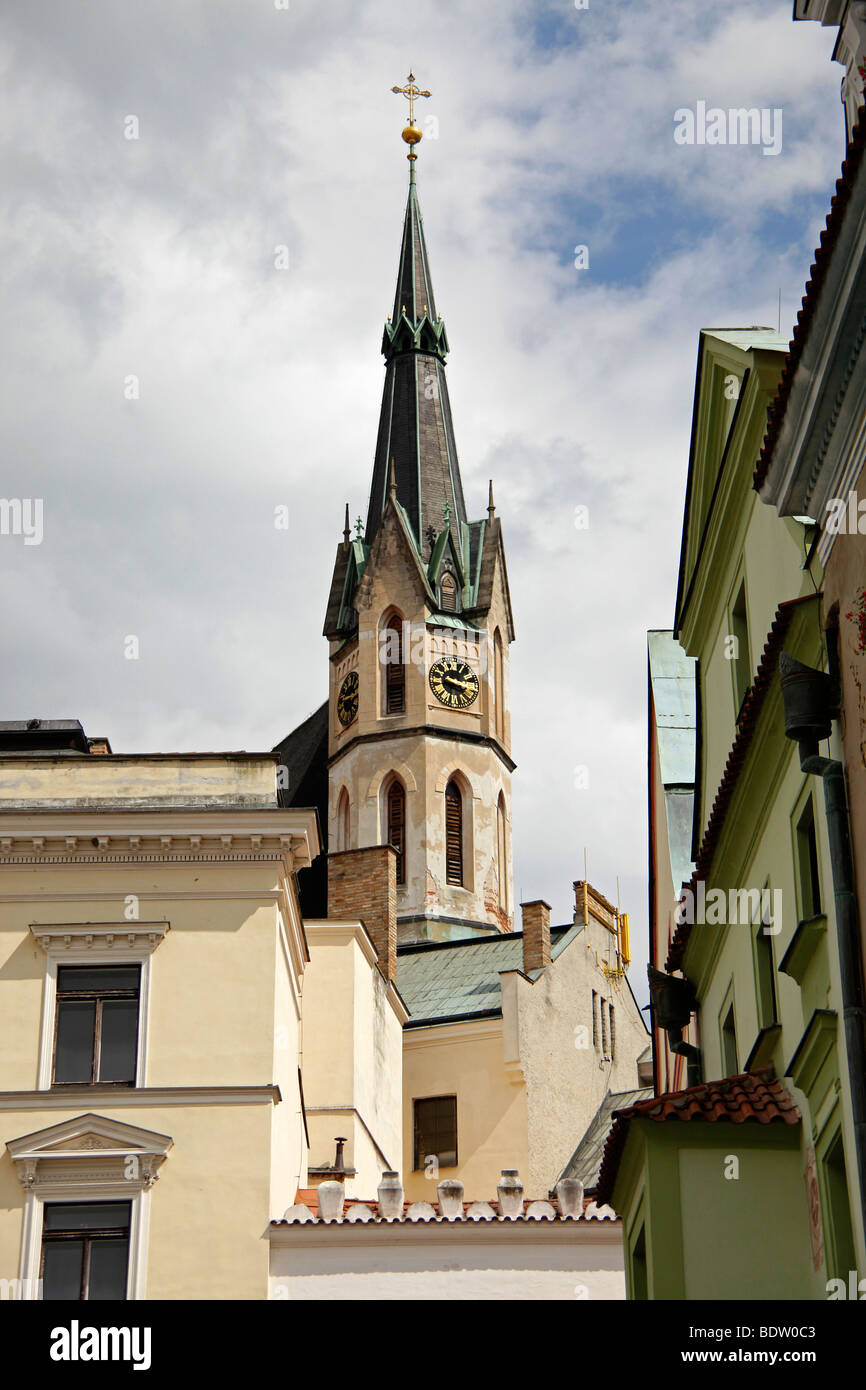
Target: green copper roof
[(748, 338), (438, 982)]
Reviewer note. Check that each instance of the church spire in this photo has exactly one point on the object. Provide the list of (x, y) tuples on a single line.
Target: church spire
[(415, 426)]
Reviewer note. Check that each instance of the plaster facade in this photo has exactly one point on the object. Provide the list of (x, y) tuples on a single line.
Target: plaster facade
[(425, 746)]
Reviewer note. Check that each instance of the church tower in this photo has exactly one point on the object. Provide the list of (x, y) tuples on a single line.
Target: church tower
[(419, 625)]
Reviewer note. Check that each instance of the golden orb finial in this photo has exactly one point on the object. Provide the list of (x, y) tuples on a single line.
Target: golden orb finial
[(412, 132)]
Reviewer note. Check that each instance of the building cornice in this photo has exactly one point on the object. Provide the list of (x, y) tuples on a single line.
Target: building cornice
[(322, 929), (110, 1097), (521, 1231), (432, 731), (77, 835), (340, 933), (432, 1034)]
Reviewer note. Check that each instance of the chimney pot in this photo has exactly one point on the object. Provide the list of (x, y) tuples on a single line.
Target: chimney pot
[(390, 1196), (331, 1199), (510, 1193), (450, 1192), (570, 1194)]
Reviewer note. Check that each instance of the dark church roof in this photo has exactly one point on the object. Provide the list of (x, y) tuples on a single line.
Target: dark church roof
[(417, 453), (304, 755), (415, 425)]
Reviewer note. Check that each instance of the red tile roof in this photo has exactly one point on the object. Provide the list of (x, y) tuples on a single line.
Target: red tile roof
[(814, 285), (751, 709), (753, 1097)]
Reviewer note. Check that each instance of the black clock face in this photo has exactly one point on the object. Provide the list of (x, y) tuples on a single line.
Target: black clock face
[(454, 683), (347, 700)]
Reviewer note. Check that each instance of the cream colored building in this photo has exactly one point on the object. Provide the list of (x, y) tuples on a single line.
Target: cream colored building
[(150, 931)]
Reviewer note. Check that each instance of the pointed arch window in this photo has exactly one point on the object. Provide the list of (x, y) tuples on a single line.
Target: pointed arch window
[(499, 684), (343, 821), (453, 835), (396, 812), (501, 852), (448, 593), (392, 655)]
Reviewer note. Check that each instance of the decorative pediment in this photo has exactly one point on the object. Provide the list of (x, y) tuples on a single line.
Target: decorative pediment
[(90, 1149), (118, 937)]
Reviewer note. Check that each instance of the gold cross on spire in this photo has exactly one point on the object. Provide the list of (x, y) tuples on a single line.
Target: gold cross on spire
[(412, 132)]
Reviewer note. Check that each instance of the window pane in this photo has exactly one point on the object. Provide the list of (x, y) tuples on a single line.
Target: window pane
[(98, 977), (436, 1130), (61, 1269), (86, 1216), (108, 1267), (74, 1057), (118, 1040)]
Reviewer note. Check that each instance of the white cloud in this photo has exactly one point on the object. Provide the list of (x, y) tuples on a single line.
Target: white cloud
[(156, 258)]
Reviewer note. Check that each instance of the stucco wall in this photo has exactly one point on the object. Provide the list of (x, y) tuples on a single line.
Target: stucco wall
[(466, 1060), (567, 1077), (844, 579), (352, 1055), (420, 1265)]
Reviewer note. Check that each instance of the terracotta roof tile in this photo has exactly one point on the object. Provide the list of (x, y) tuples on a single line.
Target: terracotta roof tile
[(753, 1097)]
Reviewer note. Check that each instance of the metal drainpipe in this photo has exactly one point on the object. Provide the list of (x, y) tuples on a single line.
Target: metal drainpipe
[(692, 1055), (848, 937)]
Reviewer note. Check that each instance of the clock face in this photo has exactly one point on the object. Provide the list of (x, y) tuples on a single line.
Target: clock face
[(453, 682), (347, 700)]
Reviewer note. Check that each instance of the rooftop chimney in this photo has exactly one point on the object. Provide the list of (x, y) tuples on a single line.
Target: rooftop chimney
[(362, 887), (536, 934)]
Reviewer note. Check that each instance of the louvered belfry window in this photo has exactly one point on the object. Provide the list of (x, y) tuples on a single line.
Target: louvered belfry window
[(448, 594), (395, 670), (453, 835), (397, 826)]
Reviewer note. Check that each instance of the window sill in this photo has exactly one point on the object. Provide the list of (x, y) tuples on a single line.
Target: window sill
[(764, 1046), (75, 1086), (803, 944)]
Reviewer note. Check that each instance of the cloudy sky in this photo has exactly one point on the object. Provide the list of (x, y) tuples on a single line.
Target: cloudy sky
[(263, 125)]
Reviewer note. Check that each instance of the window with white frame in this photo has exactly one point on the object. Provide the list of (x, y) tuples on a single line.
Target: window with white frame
[(87, 1184), (95, 1002)]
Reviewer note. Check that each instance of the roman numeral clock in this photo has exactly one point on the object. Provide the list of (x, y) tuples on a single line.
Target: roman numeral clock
[(454, 683)]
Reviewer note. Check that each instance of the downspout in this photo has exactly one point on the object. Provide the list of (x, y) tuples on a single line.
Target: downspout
[(673, 1001), (692, 1055), (811, 700)]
